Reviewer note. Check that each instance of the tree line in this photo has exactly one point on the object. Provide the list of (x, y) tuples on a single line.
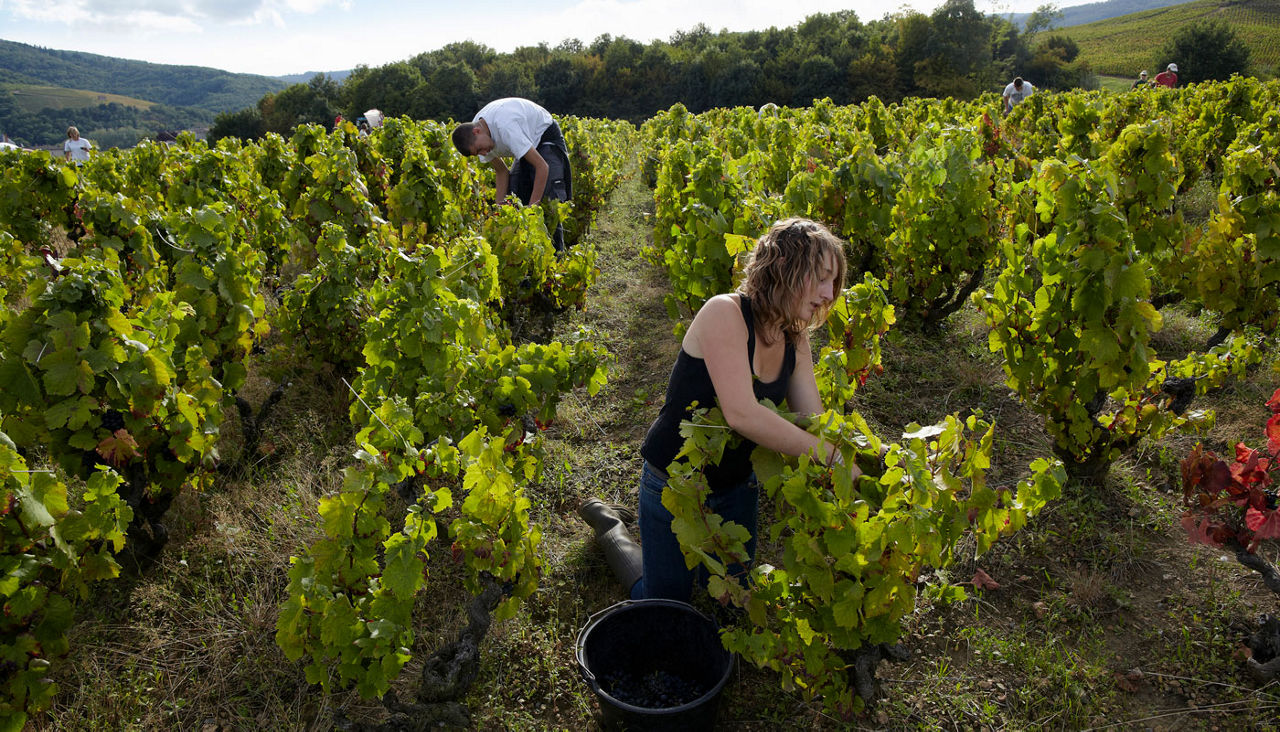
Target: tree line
[(955, 51)]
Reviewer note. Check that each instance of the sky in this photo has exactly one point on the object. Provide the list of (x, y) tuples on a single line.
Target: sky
[(280, 37)]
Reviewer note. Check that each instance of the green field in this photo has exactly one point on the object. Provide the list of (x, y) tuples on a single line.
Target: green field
[(35, 98), (1124, 46)]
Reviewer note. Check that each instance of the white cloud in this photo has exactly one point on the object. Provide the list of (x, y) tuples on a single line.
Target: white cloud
[(149, 21), (226, 10), (46, 10), (310, 6), (112, 16), (162, 14)]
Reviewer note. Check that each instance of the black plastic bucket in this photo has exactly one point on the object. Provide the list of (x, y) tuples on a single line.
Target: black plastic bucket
[(636, 643)]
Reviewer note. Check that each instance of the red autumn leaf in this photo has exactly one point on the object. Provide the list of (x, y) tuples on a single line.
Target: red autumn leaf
[(119, 448), (1237, 492), (983, 581), (1204, 474), (1250, 468), (1218, 477), (1209, 506), (1243, 453), (1262, 468), (1273, 434), (1257, 498), (1221, 534), (1198, 531), (1263, 524), (1274, 402)]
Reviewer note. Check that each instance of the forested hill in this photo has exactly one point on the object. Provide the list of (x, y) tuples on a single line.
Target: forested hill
[(211, 90)]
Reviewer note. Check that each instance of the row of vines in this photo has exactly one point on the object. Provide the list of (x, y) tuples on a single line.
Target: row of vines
[(124, 347), (1063, 224)]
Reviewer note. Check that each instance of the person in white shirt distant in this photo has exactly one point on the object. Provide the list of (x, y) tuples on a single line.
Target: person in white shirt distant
[(76, 148), (1015, 92), (522, 130)]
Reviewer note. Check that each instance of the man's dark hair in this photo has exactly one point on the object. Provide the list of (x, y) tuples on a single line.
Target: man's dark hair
[(1017, 82), (462, 136)]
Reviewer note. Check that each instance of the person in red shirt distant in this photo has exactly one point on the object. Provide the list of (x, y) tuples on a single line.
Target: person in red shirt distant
[(1168, 77)]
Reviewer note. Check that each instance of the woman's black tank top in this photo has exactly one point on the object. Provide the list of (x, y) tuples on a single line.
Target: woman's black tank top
[(690, 382)]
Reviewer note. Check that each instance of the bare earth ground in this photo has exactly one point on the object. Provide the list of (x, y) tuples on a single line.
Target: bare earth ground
[(1105, 616)]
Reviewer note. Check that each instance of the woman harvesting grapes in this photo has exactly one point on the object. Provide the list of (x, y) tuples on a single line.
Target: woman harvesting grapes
[(742, 347)]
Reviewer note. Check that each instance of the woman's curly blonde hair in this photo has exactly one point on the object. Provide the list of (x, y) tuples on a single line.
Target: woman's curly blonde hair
[(783, 259)]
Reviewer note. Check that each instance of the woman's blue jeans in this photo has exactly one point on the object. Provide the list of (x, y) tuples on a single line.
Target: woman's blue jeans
[(665, 574)]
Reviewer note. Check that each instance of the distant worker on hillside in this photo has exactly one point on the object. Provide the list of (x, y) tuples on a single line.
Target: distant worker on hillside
[(1141, 82), (1168, 77), (76, 149), (1015, 92), (520, 129)]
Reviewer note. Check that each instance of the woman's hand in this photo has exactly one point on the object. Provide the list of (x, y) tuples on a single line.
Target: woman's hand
[(830, 456)]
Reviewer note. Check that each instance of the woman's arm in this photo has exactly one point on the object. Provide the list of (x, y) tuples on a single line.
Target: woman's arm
[(802, 390), (718, 336)]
